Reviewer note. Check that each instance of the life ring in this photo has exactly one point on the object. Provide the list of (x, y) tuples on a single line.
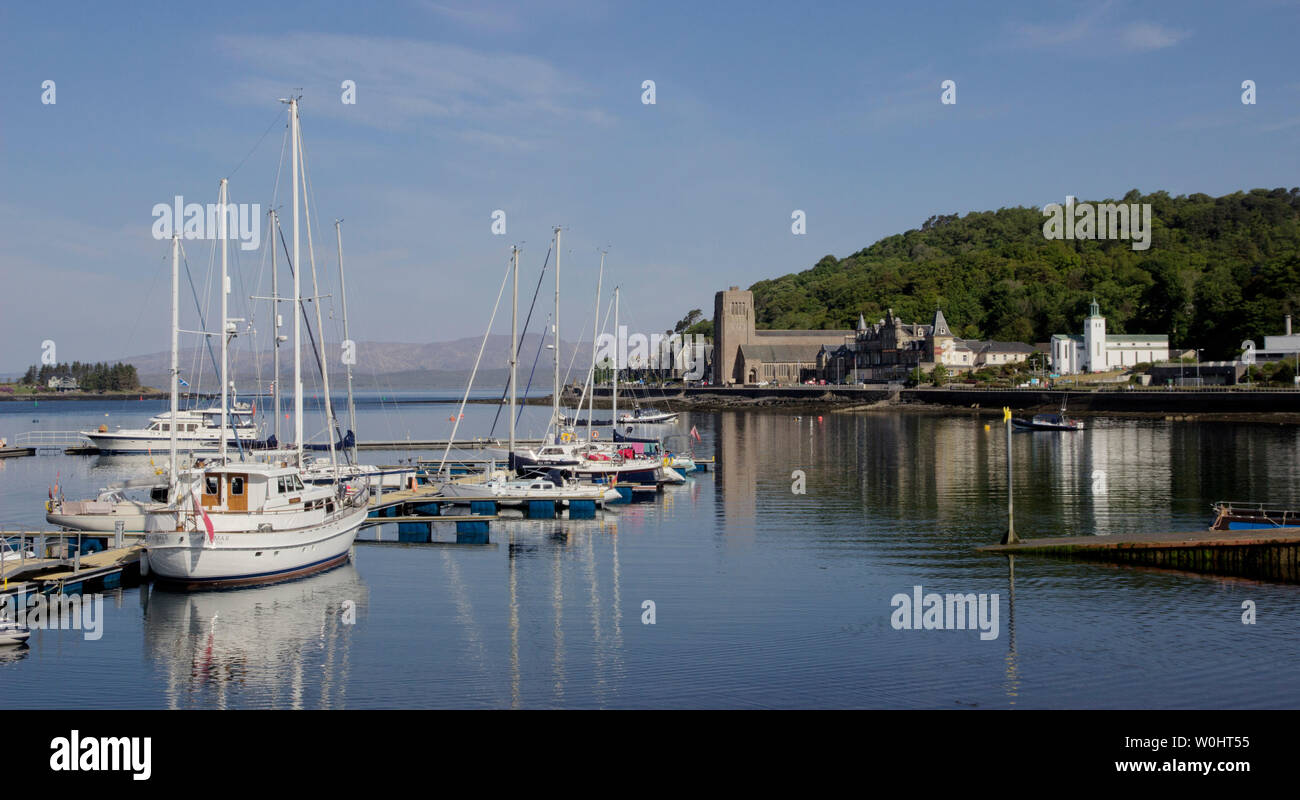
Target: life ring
[(595, 434), (49, 505), (565, 437)]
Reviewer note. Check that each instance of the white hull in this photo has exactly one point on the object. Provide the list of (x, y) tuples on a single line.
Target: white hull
[(238, 558), (12, 634), (118, 443), (514, 496)]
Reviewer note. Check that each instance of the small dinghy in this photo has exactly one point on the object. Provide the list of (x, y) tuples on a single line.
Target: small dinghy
[(11, 633)]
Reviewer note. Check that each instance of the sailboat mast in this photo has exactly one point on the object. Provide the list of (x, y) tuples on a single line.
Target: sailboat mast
[(618, 346), (330, 423), (555, 395), (225, 336), (297, 289), (276, 322), (176, 335), (514, 354), (343, 292), (595, 332)]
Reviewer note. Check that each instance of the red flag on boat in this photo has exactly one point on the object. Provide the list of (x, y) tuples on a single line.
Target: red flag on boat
[(695, 433), (207, 521)]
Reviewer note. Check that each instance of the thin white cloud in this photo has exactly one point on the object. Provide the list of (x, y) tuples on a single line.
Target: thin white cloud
[(489, 17), (491, 96), (1102, 27), (1143, 36)]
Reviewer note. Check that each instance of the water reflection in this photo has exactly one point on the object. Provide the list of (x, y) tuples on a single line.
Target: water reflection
[(284, 646)]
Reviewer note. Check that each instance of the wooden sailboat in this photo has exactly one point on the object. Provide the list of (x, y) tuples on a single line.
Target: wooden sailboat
[(233, 523)]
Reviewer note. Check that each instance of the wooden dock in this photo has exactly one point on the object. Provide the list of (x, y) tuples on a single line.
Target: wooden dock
[(54, 570), (1267, 554)]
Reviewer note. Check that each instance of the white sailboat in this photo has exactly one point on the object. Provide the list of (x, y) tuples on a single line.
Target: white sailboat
[(239, 523), (321, 470)]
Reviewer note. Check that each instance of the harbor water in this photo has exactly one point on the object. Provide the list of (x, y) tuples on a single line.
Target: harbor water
[(769, 582)]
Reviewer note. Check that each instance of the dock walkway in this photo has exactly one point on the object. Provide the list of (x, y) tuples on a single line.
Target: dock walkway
[(1268, 554)]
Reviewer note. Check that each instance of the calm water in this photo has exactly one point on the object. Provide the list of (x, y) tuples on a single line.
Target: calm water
[(763, 597)]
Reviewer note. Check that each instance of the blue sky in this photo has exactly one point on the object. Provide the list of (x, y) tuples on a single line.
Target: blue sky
[(535, 108)]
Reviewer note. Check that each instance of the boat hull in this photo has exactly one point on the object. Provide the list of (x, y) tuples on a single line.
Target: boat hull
[(10, 638), (122, 445), (245, 558)]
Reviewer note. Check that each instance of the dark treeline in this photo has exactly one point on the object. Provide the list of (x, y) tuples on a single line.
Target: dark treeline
[(1218, 271), (90, 377)]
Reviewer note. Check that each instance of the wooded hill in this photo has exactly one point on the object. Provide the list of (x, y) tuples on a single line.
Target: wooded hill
[(1218, 271)]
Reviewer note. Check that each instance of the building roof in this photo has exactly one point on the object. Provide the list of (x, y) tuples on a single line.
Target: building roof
[(992, 346), (780, 353), (940, 325)]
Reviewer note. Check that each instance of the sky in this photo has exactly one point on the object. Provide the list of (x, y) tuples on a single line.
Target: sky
[(536, 109)]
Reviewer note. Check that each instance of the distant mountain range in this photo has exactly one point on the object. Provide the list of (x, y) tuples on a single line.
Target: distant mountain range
[(382, 365)]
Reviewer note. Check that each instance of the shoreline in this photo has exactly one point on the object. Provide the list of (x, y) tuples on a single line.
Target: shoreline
[(1280, 407)]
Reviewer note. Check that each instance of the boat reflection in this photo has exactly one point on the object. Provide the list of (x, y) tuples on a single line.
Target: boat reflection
[(282, 646)]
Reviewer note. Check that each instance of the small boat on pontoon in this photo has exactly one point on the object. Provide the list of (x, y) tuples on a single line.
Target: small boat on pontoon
[(1230, 516), (11, 633), (320, 471), (112, 505), (519, 492)]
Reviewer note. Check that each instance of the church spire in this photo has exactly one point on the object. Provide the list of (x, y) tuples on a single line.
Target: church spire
[(940, 326)]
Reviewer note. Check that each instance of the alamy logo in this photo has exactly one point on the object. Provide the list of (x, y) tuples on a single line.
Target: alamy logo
[(685, 352), (243, 221), (76, 612), (1099, 221), (102, 754), (951, 612)]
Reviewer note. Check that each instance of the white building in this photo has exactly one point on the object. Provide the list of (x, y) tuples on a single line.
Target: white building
[(1276, 348), (1095, 351)]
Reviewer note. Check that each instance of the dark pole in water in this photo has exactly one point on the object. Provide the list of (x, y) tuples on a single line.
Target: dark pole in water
[(1010, 536)]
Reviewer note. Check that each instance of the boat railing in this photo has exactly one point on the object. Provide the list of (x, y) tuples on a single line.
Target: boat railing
[(50, 439), (1281, 517), (46, 548)]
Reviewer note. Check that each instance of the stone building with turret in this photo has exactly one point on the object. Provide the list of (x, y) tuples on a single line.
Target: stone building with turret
[(886, 350), (890, 349)]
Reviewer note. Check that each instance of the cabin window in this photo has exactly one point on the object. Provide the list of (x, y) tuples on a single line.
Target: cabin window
[(284, 485), (329, 506), (297, 482), (210, 484), (237, 484)]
